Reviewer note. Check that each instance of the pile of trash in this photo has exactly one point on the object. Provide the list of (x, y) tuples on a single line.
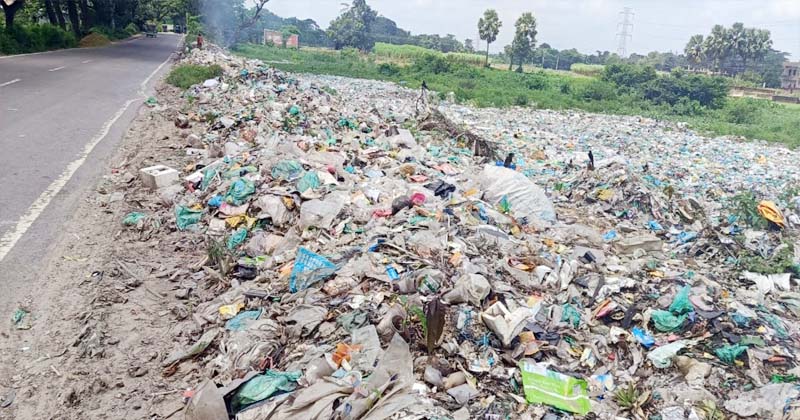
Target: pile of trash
[(364, 262)]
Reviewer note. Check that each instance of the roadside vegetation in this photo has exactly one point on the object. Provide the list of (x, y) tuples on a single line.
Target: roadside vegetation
[(22, 39), (28, 26), (187, 75), (624, 89)]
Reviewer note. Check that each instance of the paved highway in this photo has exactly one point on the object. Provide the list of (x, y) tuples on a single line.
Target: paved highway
[(61, 115)]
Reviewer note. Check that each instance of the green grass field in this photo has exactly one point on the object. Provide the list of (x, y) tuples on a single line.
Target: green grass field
[(490, 87)]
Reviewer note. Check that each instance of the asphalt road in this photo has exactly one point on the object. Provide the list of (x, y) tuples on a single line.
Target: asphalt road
[(61, 115)]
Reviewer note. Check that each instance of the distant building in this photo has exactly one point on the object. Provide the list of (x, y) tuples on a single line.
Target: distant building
[(790, 79), (276, 38)]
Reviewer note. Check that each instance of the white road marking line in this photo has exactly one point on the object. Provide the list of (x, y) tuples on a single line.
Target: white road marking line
[(57, 68), (24, 223), (86, 61), (10, 82)]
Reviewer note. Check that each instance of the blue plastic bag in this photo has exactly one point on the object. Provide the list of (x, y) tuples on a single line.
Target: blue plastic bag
[(645, 339), (309, 268)]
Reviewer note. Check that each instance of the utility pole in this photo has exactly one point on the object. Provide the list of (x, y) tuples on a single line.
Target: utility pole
[(625, 33)]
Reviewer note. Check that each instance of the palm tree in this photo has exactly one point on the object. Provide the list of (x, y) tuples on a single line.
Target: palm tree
[(488, 28), (694, 50), (738, 42), (717, 45)]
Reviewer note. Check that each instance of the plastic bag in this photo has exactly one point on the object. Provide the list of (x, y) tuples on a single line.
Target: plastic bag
[(526, 199), (662, 356), (571, 315), (309, 181), (728, 354), (771, 212), (237, 238), (544, 386), (309, 268), (185, 217), (264, 386), (133, 218), (208, 176), (665, 321), (240, 321), (681, 304), (645, 339), (287, 170), (239, 191)]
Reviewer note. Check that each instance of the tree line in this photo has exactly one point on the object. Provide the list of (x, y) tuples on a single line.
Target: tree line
[(80, 16)]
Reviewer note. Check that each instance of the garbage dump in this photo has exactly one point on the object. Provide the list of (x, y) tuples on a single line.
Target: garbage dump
[(363, 265)]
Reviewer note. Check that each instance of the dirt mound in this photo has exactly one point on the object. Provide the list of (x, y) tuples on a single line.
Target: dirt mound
[(94, 40)]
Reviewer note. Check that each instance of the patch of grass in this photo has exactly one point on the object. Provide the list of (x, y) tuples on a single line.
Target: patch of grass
[(495, 87), (188, 75), (594, 70)]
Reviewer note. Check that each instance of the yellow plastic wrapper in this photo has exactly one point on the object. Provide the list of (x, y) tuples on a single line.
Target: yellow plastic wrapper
[(605, 195), (230, 311), (771, 212)]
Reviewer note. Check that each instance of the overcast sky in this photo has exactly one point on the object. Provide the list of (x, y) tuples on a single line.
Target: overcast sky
[(588, 25)]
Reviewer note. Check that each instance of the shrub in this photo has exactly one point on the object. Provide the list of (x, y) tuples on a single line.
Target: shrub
[(597, 90), (34, 38), (109, 33), (521, 100), (743, 111), (432, 63), (188, 75), (131, 29), (536, 81), (389, 69), (629, 75)]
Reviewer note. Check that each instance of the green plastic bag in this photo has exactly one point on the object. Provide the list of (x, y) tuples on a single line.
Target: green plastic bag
[(294, 110), (309, 181), (264, 386), (131, 219), (544, 386), (665, 321), (239, 191), (504, 205), (237, 238), (571, 315), (728, 354), (287, 170), (185, 217), (681, 304), (208, 176)]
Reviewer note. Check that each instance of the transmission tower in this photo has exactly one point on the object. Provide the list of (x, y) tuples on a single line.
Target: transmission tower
[(625, 33)]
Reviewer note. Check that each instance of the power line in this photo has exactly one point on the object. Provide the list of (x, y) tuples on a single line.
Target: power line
[(626, 31)]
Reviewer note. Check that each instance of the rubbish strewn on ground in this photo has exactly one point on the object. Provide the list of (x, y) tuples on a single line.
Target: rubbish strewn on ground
[(361, 265)]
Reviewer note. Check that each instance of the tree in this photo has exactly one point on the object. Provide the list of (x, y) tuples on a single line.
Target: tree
[(10, 9), (488, 29), (353, 27), (51, 13), (469, 46), (72, 10), (694, 50), (524, 39), (717, 45), (287, 32)]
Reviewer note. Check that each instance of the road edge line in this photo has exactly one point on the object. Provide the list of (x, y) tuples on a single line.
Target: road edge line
[(10, 239)]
